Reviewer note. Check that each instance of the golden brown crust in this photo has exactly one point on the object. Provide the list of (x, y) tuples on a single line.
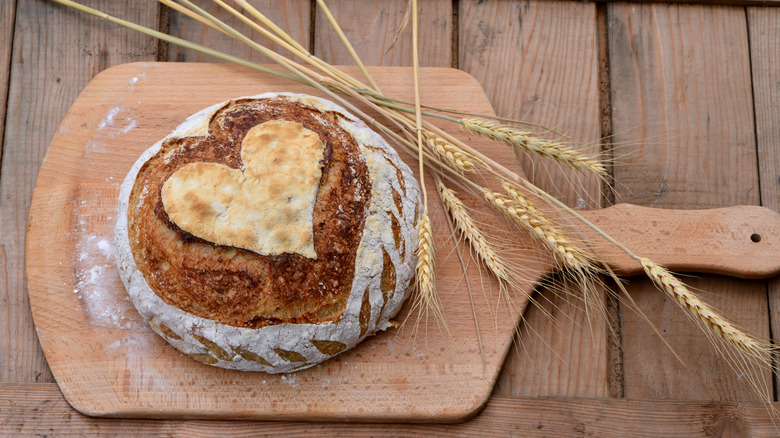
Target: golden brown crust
[(236, 286)]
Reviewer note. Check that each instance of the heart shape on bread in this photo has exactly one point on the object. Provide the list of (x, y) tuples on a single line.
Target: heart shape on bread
[(267, 207)]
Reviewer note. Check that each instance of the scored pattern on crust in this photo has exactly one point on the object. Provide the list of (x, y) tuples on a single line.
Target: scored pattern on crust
[(384, 266)]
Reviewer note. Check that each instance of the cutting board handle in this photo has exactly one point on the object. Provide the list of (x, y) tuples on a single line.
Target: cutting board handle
[(742, 241)]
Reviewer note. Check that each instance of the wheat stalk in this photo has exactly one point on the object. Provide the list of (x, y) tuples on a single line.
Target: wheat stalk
[(465, 224), (532, 219), (689, 301), (426, 299), (747, 356), (527, 141)]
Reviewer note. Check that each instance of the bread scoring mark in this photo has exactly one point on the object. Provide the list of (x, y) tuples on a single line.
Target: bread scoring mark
[(204, 358), (267, 207), (387, 282), (365, 312), (400, 243), (401, 181), (290, 356), (329, 348), (251, 356), (215, 349), (169, 333), (396, 226)]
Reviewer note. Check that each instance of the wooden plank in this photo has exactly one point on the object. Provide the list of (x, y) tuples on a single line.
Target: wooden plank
[(685, 118), (47, 73), (294, 17), (764, 25), (371, 28), (40, 410), (555, 84), (7, 16)]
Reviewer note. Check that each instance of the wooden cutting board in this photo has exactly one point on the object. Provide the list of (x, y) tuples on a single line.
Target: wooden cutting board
[(108, 363)]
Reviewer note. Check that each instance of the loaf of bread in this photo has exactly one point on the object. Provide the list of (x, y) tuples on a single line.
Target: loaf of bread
[(268, 233)]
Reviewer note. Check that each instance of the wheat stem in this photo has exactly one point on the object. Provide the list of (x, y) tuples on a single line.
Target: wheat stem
[(278, 36), (404, 22), (271, 25), (179, 41), (417, 108), (347, 44)]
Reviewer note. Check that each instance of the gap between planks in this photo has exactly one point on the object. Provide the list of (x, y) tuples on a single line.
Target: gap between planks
[(615, 370)]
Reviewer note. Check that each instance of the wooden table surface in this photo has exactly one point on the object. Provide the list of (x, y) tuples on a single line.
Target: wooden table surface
[(688, 93)]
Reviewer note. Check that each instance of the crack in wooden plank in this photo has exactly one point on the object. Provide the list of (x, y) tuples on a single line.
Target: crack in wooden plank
[(615, 375)]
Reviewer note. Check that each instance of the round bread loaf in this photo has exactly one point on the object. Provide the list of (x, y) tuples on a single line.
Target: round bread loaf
[(268, 233)]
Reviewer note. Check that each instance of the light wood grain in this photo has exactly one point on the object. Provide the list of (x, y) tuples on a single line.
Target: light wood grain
[(294, 17), (538, 62), (371, 27), (47, 73), (682, 106), (740, 241), (764, 26), (39, 409)]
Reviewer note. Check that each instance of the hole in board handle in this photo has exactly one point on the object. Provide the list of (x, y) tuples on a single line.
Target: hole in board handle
[(755, 237)]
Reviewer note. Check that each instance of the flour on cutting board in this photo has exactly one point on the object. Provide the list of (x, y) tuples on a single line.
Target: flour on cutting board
[(107, 310), (134, 80), (95, 277), (116, 121), (113, 124), (289, 379)]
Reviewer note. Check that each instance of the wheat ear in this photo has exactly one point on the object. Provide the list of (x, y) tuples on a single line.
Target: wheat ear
[(523, 213), (451, 154), (426, 299), (465, 224), (688, 300), (527, 141)]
